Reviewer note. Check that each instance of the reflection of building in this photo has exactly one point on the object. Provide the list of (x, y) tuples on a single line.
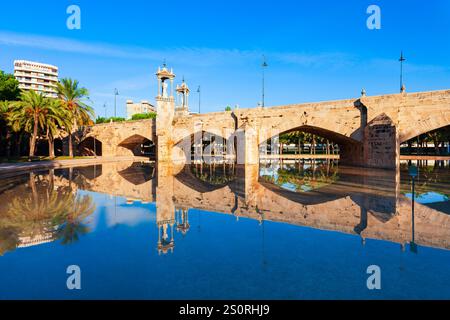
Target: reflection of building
[(138, 108), (182, 221), (165, 236), (166, 227), (25, 242), (36, 76)]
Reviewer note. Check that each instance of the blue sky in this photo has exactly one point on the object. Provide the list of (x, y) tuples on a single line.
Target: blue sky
[(315, 50)]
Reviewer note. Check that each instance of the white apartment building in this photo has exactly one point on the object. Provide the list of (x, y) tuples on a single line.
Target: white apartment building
[(36, 76), (137, 108)]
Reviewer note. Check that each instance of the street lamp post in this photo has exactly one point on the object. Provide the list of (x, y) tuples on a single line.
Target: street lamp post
[(116, 93), (264, 66), (104, 107), (413, 172), (199, 99), (402, 59)]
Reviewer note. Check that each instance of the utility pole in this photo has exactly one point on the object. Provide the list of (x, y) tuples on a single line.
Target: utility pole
[(104, 107), (116, 93)]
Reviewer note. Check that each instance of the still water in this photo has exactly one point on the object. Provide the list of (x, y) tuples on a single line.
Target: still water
[(304, 230)]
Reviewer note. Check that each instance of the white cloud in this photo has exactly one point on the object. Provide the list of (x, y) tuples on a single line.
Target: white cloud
[(182, 55)]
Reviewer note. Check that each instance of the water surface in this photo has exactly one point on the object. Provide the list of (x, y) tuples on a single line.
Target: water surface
[(303, 230)]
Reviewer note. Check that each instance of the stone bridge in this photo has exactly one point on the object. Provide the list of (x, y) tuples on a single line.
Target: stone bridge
[(116, 138), (369, 130)]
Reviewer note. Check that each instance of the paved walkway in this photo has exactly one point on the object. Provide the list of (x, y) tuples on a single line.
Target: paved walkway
[(415, 157), (53, 164)]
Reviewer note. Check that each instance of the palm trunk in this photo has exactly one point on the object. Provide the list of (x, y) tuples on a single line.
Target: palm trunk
[(19, 145), (70, 145), (8, 143), (51, 146), (32, 182), (436, 146), (33, 137)]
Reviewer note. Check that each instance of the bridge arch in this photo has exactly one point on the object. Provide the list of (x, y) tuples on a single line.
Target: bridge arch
[(203, 145), (350, 149), (90, 146), (139, 145), (420, 131)]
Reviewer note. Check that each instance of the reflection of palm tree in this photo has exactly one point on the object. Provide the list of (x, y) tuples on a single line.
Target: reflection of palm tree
[(35, 214), (314, 177), (430, 179), (44, 212), (215, 175), (9, 240), (72, 223)]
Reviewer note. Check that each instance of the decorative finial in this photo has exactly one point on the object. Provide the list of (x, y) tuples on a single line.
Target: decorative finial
[(164, 63), (363, 92)]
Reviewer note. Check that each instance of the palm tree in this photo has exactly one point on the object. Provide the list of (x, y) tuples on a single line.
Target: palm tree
[(30, 114), (298, 138), (73, 99)]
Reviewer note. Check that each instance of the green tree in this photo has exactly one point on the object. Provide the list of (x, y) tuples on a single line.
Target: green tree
[(228, 108), (298, 138), (30, 114), (5, 130), (73, 98), (9, 87), (143, 116)]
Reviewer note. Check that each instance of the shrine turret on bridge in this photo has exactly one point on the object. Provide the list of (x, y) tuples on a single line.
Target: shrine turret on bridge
[(165, 80), (165, 105), (182, 108)]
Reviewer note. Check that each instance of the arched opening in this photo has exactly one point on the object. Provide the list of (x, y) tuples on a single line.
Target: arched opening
[(307, 142), (138, 173), (59, 147), (90, 147), (206, 147), (41, 148), (432, 143), (306, 158), (139, 146)]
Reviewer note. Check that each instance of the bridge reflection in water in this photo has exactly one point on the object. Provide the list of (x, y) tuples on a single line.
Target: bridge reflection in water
[(373, 204)]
